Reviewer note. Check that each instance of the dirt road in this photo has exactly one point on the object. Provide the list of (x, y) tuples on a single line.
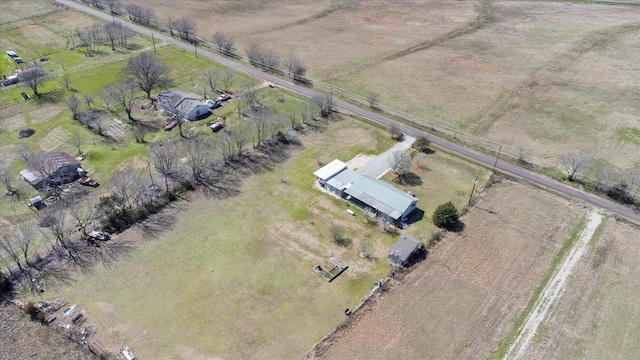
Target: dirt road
[(507, 168), (553, 290)]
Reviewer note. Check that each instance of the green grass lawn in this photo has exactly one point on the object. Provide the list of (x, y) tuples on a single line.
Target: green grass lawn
[(442, 177), (239, 270)]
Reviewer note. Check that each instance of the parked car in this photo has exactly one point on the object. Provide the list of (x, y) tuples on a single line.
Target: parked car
[(212, 104), (216, 126), (224, 97), (10, 80)]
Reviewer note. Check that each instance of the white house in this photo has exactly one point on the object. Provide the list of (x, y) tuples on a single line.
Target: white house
[(187, 106)]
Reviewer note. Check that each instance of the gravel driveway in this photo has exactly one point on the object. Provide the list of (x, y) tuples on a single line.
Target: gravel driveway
[(379, 165)]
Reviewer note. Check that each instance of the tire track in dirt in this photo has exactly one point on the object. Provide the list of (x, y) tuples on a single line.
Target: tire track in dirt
[(484, 16), (554, 289), (545, 74)]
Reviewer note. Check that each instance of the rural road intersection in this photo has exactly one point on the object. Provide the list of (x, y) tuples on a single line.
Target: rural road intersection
[(487, 160)]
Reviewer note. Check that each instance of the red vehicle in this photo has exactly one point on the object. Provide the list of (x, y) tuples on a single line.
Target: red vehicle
[(170, 125), (87, 181)]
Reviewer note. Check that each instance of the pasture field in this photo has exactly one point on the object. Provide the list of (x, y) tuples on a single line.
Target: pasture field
[(533, 76), (597, 316), (465, 298), (239, 270)]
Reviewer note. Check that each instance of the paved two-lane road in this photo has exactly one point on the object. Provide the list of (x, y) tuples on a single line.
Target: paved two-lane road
[(505, 167)]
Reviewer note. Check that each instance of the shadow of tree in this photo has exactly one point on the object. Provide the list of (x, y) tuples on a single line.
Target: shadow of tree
[(51, 97), (409, 179)]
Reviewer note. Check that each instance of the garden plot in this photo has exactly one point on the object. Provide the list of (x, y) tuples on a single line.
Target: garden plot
[(54, 138)]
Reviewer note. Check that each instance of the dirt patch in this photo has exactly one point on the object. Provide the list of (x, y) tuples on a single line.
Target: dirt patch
[(359, 161), (463, 299)]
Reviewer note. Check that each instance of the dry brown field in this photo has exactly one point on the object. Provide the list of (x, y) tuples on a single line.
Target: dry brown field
[(598, 317), (463, 300), (547, 77)]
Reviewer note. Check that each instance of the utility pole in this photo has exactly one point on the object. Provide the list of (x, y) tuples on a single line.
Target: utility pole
[(496, 163), (195, 46), (154, 44), (331, 98), (475, 181)]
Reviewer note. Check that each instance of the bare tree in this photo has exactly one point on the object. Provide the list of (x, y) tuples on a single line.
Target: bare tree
[(224, 43), (186, 28), (88, 99), (395, 132), (123, 186), (171, 24), (112, 5), (123, 93), (293, 119), (291, 63), (324, 104), (295, 69), (115, 33), (148, 71), (227, 80), (9, 246), (239, 134), (197, 157), (165, 159), (210, 78), (140, 14), (264, 59), (373, 99), (305, 112), (74, 105), (25, 153), (33, 77), (260, 126), (605, 177), (7, 179), (77, 140), (250, 95), (66, 82), (399, 162), (575, 163)]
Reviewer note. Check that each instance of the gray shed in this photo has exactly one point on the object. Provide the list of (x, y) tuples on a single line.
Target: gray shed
[(401, 251)]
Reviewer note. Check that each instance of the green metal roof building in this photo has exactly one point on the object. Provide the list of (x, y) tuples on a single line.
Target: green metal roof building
[(381, 197)]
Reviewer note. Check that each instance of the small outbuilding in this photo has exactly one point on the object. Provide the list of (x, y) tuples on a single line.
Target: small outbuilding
[(55, 168), (37, 203), (401, 251)]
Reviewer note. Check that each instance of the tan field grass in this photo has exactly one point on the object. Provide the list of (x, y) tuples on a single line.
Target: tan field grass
[(596, 317), (465, 297)]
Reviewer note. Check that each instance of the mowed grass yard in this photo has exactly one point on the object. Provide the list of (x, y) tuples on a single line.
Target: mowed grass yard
[(466, 297), (597, 317), (233, 278)]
